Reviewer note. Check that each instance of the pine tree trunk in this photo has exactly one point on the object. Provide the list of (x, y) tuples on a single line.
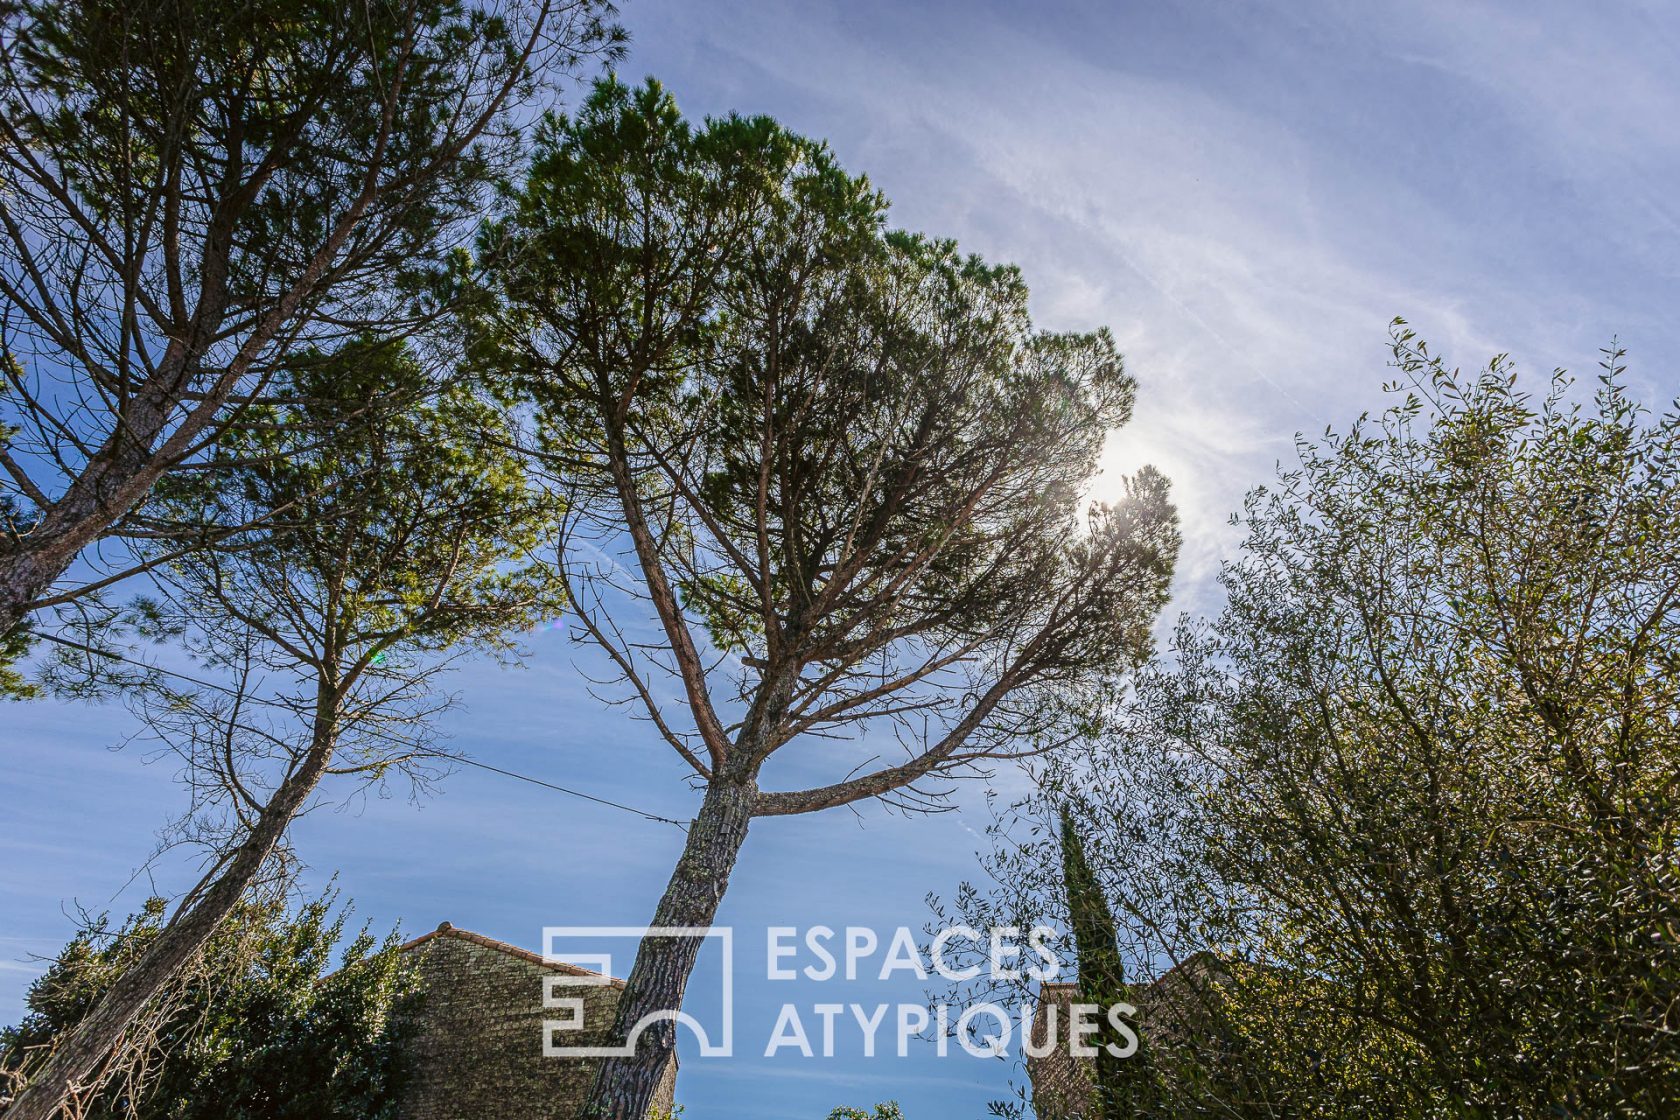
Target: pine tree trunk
[(107, 489), (624, 1087), (24, 578), (131, 460), (79, 1056)]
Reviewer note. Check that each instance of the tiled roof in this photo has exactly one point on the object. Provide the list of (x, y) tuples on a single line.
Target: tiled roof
[(447, 930)]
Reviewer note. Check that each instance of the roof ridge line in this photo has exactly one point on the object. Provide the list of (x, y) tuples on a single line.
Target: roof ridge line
[(445, 929)]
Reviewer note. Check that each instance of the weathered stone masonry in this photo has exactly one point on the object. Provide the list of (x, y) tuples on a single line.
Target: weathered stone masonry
[(478, 1045)]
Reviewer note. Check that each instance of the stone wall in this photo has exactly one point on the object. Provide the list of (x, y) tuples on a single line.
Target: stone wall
[(1173, 1006), (1062, 1086), (478, 1042)]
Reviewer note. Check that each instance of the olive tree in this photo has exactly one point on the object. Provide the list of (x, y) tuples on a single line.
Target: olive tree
[(317, 638), (835, 467), (1416, 783), (192, 189)]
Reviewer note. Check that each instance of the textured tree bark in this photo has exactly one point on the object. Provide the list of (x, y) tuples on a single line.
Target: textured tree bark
[(624, 1087), (110, 486), (132, 458), (79, 1056)]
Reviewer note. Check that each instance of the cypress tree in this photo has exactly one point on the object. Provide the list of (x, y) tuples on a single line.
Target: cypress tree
[(1122, 1084)]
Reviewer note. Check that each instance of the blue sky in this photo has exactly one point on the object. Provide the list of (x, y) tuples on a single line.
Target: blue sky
[(1246, 193)]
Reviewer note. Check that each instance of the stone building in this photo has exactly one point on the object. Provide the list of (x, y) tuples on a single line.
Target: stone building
[(1062, 1084), (478, 1041)]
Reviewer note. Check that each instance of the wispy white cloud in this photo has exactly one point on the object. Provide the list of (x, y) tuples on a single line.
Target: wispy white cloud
[(1248, 259)]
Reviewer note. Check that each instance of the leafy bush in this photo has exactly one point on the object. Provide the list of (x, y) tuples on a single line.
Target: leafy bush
[(886, 1111), (263, 1026)]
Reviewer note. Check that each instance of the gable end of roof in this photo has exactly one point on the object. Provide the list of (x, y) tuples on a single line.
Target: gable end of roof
[(446, 930)]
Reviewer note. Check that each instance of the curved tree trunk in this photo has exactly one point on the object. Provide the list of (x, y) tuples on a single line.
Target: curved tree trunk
[(79, 1056), (624, 1087)]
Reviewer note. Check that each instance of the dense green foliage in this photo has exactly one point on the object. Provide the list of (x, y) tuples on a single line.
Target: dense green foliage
[(868, 448), (1415, 784), (351, 567), (280, 1019), (887, 1110), (371, 525), (191, 191), (841, 453), (371, 506), (1123, 1082)]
